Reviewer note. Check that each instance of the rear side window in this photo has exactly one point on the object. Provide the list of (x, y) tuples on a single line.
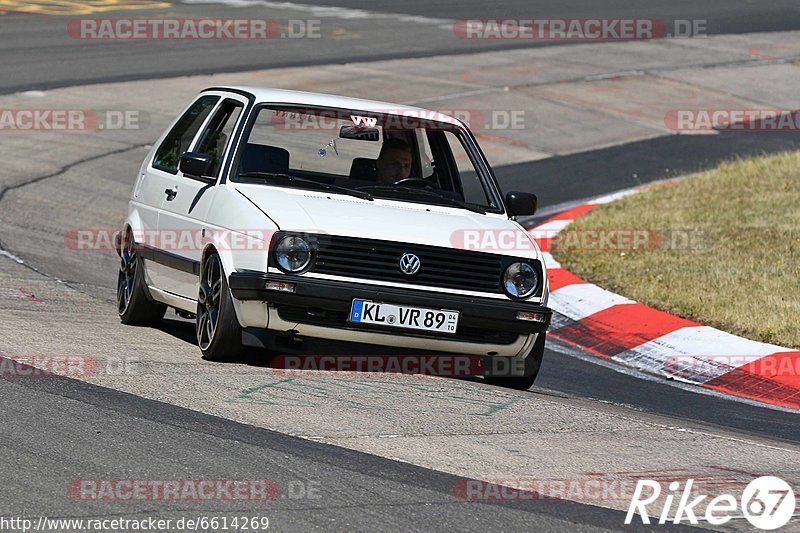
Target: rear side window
[(180, 137)]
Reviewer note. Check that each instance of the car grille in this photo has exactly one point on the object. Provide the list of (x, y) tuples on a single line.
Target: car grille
[(338, 319), (379, 260)]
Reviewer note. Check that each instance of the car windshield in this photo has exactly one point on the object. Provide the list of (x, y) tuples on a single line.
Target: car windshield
[(405, 157)]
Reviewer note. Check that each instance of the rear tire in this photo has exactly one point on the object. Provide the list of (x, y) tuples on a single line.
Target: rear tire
[(134, 304), (219, 334), (532, 364)]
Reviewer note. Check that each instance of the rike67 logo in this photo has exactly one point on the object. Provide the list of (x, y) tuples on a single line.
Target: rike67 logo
[(767, 503)]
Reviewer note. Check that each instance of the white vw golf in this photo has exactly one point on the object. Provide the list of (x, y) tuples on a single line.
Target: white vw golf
[(303, 222)]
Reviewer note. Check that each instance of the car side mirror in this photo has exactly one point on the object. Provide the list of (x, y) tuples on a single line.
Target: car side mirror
[(521, 204), (195, 164)]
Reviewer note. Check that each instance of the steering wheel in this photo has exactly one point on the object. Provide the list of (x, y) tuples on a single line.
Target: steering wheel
[(412, 182)]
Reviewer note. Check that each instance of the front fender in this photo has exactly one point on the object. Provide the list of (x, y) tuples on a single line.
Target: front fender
[(252, 313)]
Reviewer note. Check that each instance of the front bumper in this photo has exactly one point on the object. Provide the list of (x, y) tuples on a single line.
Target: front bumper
[(321, 298)]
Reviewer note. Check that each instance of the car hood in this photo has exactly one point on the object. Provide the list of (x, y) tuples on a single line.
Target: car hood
[(390, 220)]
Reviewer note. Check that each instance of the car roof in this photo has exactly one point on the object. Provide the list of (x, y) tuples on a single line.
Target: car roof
[(284, 96)]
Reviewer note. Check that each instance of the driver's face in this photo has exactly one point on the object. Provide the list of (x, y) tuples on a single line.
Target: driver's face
[(394, 165)]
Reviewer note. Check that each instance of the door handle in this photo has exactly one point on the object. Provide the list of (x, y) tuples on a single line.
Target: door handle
[(171, 194)]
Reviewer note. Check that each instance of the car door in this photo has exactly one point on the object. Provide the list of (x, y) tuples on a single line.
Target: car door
[(183, 215), (158, 175)]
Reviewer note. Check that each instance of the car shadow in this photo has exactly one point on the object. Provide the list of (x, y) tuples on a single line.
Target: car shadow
[(180, 328), (184, 330)]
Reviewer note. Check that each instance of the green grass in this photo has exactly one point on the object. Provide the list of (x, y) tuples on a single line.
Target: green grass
[(740, 271)]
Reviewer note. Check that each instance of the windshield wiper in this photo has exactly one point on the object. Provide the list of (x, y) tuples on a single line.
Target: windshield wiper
[(424, 192), (305, 181)]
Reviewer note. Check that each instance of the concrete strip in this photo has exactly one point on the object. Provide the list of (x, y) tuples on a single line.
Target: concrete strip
[(639, 101), (551, 85), (771, 85)]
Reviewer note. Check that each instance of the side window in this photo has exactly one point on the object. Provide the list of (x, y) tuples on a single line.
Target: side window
[(219, 131), (471, 184), (180, 137)]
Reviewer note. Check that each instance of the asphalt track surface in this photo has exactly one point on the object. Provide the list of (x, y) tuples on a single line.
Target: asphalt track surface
[(596, 172), (351, 491), (38, 53), (61, 429), (724, 16)]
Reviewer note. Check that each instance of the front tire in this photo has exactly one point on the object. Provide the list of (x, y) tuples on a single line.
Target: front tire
[(219, 334), (532, 364), (134, 304)]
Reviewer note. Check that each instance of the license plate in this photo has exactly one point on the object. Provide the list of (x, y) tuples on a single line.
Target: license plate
[(403, 316)]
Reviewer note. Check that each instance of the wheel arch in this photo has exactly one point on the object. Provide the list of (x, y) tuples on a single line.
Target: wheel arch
[(226, 258), (133, 223), (209, 250)]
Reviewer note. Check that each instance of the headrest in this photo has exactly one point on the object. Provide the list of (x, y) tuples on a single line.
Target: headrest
[(263, 158), (364, 169)]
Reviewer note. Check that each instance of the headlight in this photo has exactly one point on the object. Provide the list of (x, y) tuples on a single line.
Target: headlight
[(520, 280), (292, 254)]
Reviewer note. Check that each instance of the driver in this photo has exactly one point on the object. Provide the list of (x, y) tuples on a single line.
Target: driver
[(394, 161)]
